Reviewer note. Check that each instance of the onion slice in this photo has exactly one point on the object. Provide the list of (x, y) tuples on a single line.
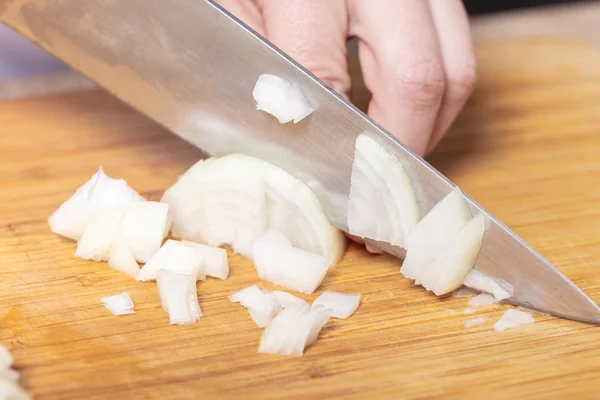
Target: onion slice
[(512, 319), (277, 261), (174, 256), (382, 204), (262, 308), (280, 98), (293, 329), (178, 297), (341, 305), (120, 304), (98, 193)]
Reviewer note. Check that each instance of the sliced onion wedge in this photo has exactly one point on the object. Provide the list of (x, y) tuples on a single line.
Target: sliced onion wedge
[(277, 261), (99, 233), (98, 193), (174, 256), (513, 318), (262, 308), (178, 297), (382, 204), (280, 98), (143, 228), (341, 305), (293, 329), (120, 304)]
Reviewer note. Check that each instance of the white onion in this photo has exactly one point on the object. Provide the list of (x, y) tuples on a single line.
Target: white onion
[(262, 308), (174, 256), (341, 305), (9, 374), (475, 321), (11, 391), (120, 304), (6, 359), (382, 204), (513, 318), (120, 258), (214, 259), (98, 193), (178, 297), (280, 98), (143, 227), (479, 280), (293, 329), (285, 299), (277, 261), (482, 299), (99, 233)]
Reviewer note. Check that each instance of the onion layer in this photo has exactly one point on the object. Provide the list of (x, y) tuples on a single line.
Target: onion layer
[(341, 305), (174, 256), (280, 98), (262, 308), (120, 304), (178, 297), (513, 318)]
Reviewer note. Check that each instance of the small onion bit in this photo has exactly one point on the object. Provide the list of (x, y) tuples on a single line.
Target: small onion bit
[(476, 321), (9, 389), (285, 299), (512, 319), (174, 256), (178, 297), (341, 305), (214, 259), (262, 308), (293, 329), (479, 280), (120, 304), (483, 299), (280, 98)]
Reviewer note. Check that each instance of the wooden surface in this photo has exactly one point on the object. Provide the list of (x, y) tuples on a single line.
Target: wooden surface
[(527, 147)]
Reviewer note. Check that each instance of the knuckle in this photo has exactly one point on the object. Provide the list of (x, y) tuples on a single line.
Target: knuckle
[(422, 82), (463, 79)]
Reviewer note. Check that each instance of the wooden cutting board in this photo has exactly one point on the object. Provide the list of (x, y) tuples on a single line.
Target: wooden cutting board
[(527, 147)]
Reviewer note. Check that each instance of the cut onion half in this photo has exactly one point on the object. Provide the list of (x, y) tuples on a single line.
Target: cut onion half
[(143, 228), (174, 256), (120, 304), (382, 204), (178, 297), (512, 319), (280, 98), (262, 308), (98, 193), (293, 329), (341, 305)]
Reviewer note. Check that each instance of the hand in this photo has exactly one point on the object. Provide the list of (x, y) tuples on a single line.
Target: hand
[(416, 55)]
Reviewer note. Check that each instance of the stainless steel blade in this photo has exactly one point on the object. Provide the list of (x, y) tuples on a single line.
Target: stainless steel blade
[(191, 66)]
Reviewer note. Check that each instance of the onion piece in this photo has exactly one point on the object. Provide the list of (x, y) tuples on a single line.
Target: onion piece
[(6, 359), (178, 297), (481, 281), (11, 391), (293, 329), (99, 233), (214, 259), (98, 193), (120, 258), (280, 98), (482, 299), (341, 305), (262, 308), (277, 261), (143, 228), (382, 204), (513, 318), (475, 321), (174, 256), (120, 304), (439, 226), (9, 374), (285, 299), (469, 310)]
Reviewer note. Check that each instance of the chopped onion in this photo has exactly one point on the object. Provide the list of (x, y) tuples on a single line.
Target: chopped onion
[(11, 391), (341, 305), (285, 299), (119, 304), (99, 233), (6, 359), (463, 292), (262, 308), (98, 193), (277, 261), (469, 310), (513, 318), (293, 329), (174, 256), (143, 228), (121, 258), (482, 299), (475, 321), (280, 98), (9, 374), (479, 280), (214, 259), (178, 297), (382, 204)]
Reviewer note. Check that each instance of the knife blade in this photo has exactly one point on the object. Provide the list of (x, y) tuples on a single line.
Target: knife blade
[(191, 66)]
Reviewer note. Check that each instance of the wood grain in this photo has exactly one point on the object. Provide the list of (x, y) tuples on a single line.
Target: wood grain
[(527, 147)]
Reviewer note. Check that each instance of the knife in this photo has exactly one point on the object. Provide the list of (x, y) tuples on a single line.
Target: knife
[(191, 66)]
